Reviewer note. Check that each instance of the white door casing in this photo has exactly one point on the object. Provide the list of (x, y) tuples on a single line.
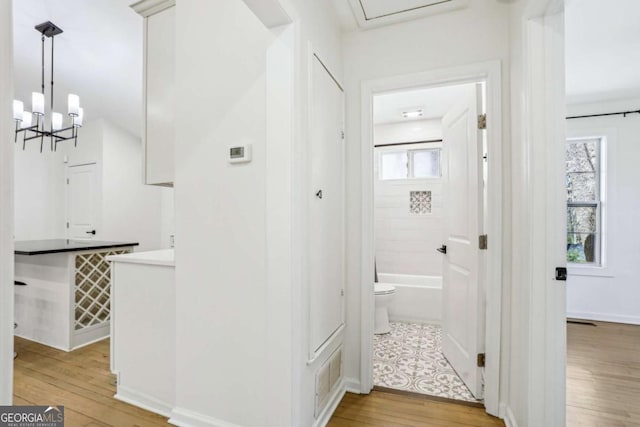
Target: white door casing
[(498, 338), (462, 190), (326, 207), (82, 201)]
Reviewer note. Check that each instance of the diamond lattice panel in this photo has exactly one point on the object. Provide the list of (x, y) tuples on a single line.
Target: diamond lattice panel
[(93, 288)]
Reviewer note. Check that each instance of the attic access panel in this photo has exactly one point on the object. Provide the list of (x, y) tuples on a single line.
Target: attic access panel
[(371, 13), (374, 9)]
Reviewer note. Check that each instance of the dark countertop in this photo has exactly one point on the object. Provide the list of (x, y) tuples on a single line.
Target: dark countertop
[(53, 246)]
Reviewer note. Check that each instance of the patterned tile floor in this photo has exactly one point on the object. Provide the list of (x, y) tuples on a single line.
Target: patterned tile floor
[(409, 358)]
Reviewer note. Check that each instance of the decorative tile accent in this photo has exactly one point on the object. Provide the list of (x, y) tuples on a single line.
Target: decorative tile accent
[(420, 202), (410, 358)]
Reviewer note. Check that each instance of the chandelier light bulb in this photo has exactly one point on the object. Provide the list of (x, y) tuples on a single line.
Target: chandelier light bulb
[(37, 103), (26, 120), (56, 121), (77, 121), (18, 109), (74, 104)]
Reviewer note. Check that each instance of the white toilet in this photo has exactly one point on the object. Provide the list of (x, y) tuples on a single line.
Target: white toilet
[(384, 295)]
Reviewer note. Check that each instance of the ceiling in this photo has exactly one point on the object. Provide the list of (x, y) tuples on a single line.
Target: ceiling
[(602, 50), (435, 102), (98, 57)]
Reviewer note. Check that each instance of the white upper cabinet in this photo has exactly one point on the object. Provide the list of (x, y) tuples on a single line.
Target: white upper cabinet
[(159, 90)]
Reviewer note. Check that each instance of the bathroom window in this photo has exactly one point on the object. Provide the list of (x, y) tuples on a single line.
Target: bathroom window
[(584, 177), (410, 164)]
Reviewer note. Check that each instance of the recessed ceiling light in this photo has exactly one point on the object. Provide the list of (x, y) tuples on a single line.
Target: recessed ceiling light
[(412, 114)]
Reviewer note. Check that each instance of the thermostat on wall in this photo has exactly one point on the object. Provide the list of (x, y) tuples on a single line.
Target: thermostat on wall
[(240, 153)]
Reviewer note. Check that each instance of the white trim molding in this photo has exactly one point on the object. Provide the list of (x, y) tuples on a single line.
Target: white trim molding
[(604, 317), (539, 215), (507, 415), (143, 401), (490, 73), (146, 8), (326, 414), (185, 418)]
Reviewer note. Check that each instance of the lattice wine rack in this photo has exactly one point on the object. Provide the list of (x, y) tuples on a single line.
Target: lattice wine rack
[(93, 289)]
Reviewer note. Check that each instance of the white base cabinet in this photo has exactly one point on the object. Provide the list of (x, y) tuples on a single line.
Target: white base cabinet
[(143, 329)]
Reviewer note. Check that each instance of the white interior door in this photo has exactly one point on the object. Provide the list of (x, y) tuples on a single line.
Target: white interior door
[(326, 207), (82, 186), (461, 326)]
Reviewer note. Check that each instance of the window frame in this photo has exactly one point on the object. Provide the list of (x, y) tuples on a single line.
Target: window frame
[(410, 162), (599, 267)]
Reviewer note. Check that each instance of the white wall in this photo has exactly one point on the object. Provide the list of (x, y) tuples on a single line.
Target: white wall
[(6, 205), (130, 209), (126, 209), (239, 233), (221, 247), (406, 243), (477, 34), (612, 293), (412, 131), (39, 192)]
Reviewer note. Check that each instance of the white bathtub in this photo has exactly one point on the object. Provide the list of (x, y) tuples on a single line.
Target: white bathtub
[(417, 299)]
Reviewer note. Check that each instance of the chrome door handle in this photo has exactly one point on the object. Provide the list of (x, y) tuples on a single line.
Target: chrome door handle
[(442, 249)]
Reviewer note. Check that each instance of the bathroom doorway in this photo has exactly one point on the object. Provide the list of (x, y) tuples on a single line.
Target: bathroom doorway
[(429, 204), (486, 313)]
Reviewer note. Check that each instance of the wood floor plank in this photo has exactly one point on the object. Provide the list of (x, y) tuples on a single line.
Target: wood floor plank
[(603, 385), (78, 380), (603, 375), (391, 410)]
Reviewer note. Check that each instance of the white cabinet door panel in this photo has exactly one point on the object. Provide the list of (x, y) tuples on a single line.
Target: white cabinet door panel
[(326, 206), (159, 102)]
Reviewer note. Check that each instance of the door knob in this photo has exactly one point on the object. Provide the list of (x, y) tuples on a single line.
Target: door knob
[(442, 249), (91, 232), (319, 194)]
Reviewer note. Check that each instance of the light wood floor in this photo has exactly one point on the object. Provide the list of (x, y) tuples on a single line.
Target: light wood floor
[(383, 409), (80, 380), (603, 388), (603, 375)]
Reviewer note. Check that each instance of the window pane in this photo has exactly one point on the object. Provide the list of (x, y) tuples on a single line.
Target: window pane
[(582, 156), (394, 165), (581, 219), (426, 163), (581, 247), (581, 187)]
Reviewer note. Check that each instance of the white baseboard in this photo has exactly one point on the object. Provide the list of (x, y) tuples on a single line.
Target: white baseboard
[(605, 317), (328, 411), (185, 418), (507, 415), (352, 385), (143, 401)]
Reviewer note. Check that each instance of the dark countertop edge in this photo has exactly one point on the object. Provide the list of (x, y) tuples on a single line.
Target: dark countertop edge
[(92, 248)]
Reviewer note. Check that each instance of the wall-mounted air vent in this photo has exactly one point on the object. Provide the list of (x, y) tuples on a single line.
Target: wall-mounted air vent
[(327, 380)]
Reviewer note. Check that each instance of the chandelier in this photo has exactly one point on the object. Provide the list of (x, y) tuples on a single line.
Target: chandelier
[(33, 124)]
